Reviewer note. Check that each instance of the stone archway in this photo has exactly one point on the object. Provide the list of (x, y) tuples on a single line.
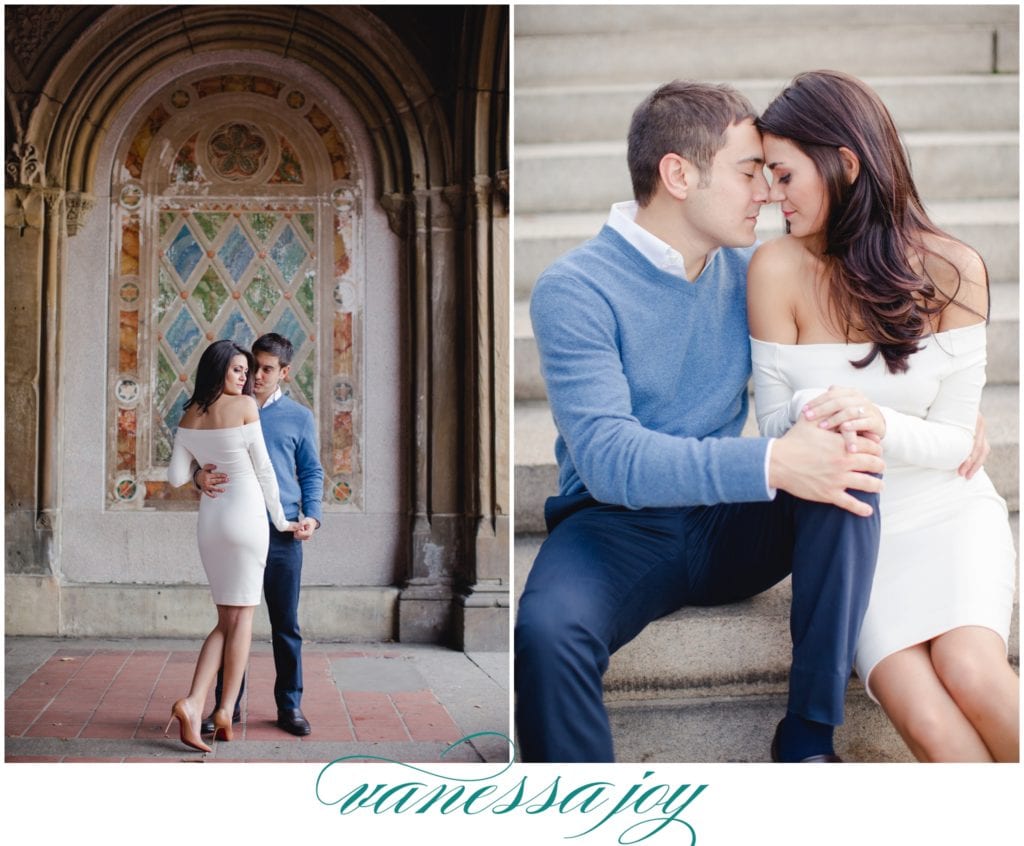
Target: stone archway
[(59, 192)]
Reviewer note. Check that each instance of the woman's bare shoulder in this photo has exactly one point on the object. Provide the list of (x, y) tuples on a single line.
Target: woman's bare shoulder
[(249, 407), (959, 274), (773, 284), (782, 260), (781, 250)]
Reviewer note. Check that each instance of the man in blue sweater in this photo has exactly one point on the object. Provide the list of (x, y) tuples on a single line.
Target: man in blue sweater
[(644, 349), (289, 431)]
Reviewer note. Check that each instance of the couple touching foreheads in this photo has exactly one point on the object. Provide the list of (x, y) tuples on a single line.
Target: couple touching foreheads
[(864, 328)]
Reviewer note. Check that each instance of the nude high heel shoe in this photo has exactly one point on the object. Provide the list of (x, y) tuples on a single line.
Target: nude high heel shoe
[(222, 728), (189, 736)]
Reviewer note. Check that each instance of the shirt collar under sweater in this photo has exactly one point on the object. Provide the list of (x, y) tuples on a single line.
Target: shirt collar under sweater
[(274, 397), (622, 219)]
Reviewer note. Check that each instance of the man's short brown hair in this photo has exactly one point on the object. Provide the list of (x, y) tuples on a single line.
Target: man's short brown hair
[(685, 118)]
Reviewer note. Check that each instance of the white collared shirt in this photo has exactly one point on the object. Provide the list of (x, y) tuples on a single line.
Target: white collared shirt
[(274, 397), (622, 218)]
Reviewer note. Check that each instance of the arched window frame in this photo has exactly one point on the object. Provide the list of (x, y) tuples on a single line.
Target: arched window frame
[(154, 188)]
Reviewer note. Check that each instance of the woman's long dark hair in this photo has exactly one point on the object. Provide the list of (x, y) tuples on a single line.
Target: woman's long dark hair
[(213, 368), (875, 225)]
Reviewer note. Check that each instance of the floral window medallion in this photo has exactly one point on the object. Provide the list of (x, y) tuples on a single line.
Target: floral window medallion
[(237, 151)]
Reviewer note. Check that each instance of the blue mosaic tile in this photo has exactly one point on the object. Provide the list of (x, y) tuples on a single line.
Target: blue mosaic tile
[(288, 254), (237, 328), (184, 253), (173, 415), (290, 327), (183, 335), (236, 253)]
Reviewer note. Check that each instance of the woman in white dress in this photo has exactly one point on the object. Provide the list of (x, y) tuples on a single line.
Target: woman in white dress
[(221, 425), (864, 292)]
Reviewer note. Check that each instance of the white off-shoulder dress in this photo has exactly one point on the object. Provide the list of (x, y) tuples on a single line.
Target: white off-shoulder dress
[(233, 532), (946, 557)]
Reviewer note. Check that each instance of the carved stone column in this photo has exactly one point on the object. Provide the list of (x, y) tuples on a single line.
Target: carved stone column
[(425, 610), (482, 622), (32, 244), (77, 208)]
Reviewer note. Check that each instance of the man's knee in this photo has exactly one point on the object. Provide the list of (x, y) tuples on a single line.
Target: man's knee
[(555, 630)]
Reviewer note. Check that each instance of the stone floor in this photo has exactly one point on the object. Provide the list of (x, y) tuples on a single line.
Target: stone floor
[(73, 700)]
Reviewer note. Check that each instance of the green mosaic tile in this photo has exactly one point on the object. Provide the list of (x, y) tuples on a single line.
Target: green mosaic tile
[(262, 224), (304, 381), (166, 293), (166, 219), (165, 378), (210, 223), (161, 444), (305, 295), (262, 293), (308, 223), (211, 294)]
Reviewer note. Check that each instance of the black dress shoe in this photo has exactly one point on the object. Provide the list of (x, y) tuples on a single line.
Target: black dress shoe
[(293, 721), (827, 758), (206, 726)]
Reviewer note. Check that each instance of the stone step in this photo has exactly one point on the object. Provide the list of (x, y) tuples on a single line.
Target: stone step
[(990, 226), (685, 48), (739, 729), (566, 114), (536, 474), (568, 19), (735, 650), (1003, 344), (591, 175)]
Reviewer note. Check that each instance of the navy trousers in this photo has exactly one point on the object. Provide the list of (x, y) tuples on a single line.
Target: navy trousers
[(605, 572), (281, 580)]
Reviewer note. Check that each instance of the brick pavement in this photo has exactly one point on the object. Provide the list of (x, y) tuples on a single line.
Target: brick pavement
[(78, 701)]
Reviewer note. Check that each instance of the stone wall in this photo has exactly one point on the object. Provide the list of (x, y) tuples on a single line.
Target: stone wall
[(425, 556)]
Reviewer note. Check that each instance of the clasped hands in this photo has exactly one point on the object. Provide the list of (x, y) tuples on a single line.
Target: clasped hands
[(849, 412), (211, 482)]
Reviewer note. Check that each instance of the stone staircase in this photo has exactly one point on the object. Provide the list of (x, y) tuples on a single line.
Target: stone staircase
[(709, 684)]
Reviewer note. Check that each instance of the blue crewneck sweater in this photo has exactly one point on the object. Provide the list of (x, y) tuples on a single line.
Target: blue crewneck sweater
[(290, 434), (647, 377)]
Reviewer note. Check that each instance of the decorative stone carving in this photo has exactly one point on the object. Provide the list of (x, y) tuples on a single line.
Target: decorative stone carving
[(452, 214), (23, 165), (396, 206), (237, 151), (30, 28), (22, 106), (52, 197), (501, 187), (77, 207)]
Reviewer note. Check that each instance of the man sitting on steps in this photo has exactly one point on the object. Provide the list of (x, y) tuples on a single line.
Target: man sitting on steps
[(644, 348)]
